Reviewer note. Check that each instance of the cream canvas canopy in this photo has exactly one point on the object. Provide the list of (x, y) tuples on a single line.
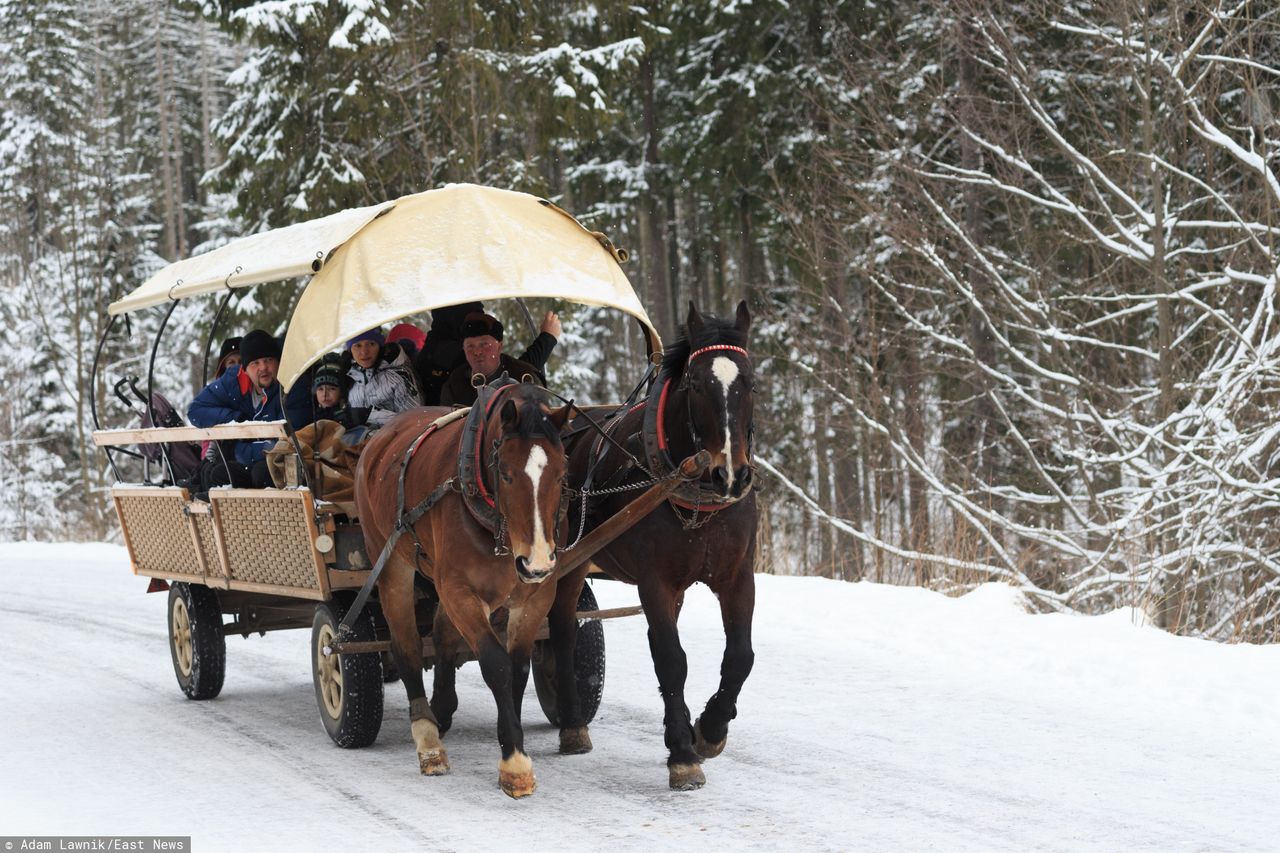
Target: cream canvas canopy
[(451, 245), (377, 264), (268, 256)]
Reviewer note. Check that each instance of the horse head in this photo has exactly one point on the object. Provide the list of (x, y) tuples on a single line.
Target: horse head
[(715, 373), (528, 471)]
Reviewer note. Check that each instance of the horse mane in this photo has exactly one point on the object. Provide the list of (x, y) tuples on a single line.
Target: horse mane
[(532, 422), (714, 331)]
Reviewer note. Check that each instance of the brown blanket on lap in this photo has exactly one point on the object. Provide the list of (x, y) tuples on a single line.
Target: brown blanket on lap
[(329, 463)]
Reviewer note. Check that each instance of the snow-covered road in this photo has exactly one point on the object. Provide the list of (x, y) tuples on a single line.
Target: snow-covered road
[(877, 718)]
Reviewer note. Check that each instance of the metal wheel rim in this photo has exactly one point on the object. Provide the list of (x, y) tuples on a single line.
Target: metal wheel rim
[(329, 673), (182, 649)]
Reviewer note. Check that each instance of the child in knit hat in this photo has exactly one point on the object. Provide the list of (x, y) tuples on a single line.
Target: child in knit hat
[(330, 397)]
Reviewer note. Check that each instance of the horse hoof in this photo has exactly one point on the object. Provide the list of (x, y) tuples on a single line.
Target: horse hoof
[(515, 776), (575, 741), (686, 777), (433, 762), (702, 747)]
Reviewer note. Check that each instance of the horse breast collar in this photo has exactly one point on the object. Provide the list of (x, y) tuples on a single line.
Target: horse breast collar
[(693, 496)]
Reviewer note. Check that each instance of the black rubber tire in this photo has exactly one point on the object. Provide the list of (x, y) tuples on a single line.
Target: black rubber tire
[(348, 687), (588, 666), (197, 645)]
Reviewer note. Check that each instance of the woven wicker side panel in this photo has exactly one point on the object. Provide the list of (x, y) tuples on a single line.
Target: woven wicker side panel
[(158, 533), (268, 541), (208, 543)]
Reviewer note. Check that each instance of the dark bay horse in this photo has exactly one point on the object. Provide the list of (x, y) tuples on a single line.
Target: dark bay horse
[(516, 486), (702, 399)]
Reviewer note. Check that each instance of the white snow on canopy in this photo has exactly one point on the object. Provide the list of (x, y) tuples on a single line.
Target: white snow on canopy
[(274, 255)]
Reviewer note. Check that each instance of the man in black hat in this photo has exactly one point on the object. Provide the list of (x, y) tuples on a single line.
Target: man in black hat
[(249, 392), (482, 348), (441, 352)]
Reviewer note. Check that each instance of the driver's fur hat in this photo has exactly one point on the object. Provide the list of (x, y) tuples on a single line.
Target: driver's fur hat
[(478, 323)]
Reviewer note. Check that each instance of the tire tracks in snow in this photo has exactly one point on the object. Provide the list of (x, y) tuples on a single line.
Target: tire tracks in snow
[(178, 725)]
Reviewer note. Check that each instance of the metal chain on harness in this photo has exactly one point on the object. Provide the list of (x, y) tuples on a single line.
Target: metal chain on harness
[(693, 522), (615, 490), (500, 546)]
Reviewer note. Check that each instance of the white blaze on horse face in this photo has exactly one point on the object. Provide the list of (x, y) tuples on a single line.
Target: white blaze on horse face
[(540, 558), (726, 372)]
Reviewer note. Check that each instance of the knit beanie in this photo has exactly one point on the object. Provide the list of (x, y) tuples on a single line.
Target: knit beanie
[(258, 344), (479, 323), (328, 372), (374, 335)]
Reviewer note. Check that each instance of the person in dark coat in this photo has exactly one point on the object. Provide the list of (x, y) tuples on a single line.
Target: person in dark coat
[(482, 348), (441, 351), (228, 356), (249, 392)]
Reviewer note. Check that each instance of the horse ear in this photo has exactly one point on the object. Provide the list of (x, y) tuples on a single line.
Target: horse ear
[(743, 323), (694, 323), (560, 416), (510, 414)]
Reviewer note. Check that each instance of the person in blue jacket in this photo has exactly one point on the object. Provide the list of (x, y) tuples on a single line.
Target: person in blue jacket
[(250, 392)]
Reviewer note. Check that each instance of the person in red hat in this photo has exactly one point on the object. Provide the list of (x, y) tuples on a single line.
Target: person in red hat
[(409, 337)]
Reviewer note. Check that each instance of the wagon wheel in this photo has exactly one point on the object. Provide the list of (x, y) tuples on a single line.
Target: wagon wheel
[(588, 666), (348, 687), (196, 642)]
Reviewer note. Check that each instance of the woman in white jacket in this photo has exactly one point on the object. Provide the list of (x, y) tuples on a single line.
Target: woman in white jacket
[(382, 382)]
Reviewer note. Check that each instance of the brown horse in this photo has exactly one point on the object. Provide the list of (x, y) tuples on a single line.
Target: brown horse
[(516, 486), (702, 399)]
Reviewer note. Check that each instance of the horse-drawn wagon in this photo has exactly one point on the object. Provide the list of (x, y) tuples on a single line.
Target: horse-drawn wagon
[(243, 561)]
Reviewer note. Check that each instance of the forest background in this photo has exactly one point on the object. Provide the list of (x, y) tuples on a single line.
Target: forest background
[(1012, 266)]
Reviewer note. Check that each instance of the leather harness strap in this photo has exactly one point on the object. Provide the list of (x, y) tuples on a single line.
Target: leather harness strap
[(404, 521), (475, 495)]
